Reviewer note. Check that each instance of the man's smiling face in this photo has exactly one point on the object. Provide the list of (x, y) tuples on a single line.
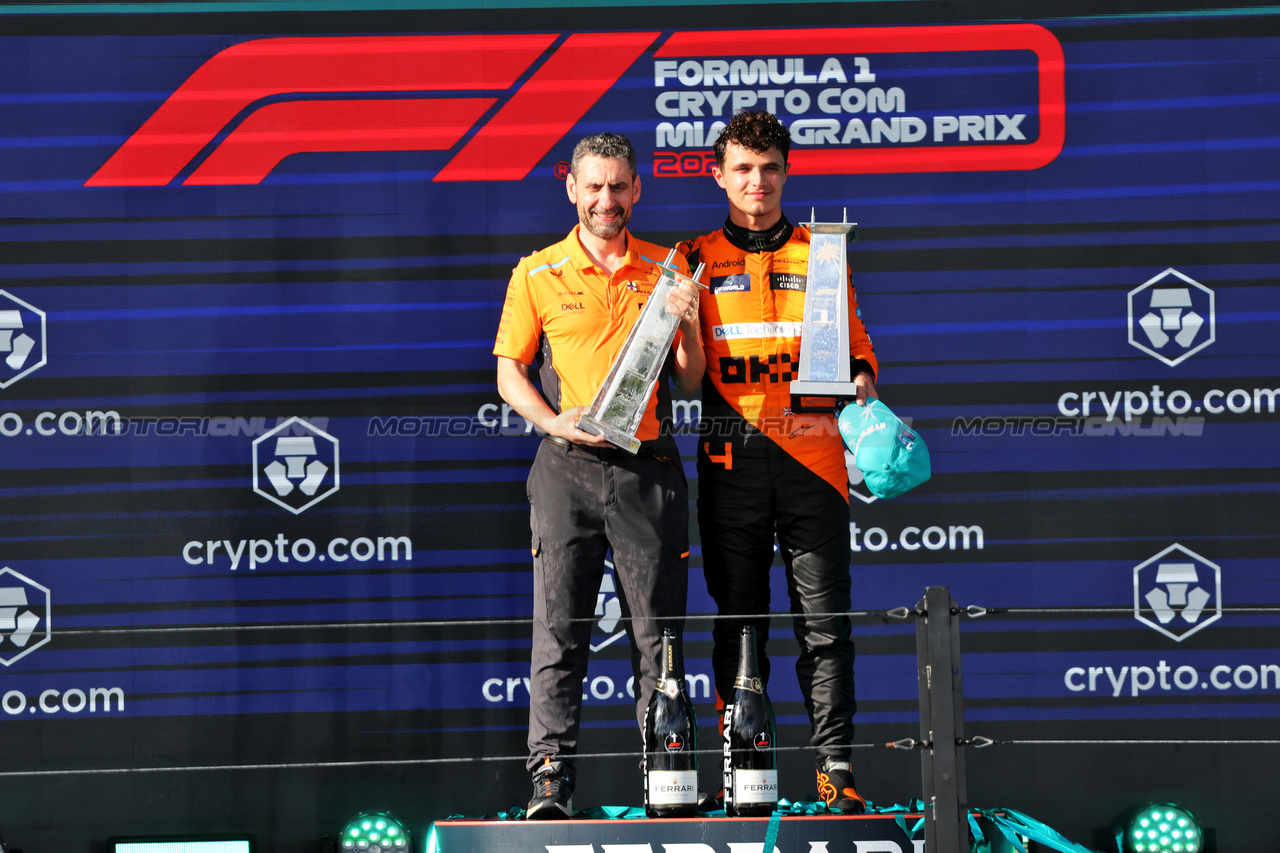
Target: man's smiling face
[(604, 191)]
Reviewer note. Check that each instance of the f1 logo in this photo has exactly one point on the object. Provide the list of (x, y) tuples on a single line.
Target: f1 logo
[(257, 75), (508, 99)]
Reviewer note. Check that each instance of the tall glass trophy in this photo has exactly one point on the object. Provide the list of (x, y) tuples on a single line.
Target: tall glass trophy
[(623, 397), (824, 379)]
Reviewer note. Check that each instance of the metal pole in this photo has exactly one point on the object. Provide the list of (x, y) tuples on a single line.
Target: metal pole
[(941, 723)]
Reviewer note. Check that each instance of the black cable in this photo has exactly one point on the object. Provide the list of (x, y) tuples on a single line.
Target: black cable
[(1033, 611), (385, 762), (899, 614), (443, 623), (1138, 742)]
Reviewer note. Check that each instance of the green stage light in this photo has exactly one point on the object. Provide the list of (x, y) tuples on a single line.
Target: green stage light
[(1163, 828), (374, 832), (182, 844)]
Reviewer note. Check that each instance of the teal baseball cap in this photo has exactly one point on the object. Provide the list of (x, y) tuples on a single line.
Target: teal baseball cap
[(892, 456)]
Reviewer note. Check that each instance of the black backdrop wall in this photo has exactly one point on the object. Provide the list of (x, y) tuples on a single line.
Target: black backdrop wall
[(262, 505)]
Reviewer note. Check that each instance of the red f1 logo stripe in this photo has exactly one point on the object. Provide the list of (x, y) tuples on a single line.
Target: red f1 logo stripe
[(547, 106), (266, 137), (1051, 68), (245, 73)]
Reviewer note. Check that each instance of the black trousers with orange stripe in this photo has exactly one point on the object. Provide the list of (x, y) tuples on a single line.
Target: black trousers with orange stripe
[(582, 503), (762, 493)]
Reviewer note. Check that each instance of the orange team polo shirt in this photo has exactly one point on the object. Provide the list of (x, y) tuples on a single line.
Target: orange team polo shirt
[(561, 306), (751, 318)]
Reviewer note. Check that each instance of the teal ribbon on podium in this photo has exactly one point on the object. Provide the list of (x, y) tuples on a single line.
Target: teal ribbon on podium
[(1014, 825)]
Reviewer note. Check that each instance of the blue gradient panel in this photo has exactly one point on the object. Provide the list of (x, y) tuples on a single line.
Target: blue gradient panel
[(354, 291)]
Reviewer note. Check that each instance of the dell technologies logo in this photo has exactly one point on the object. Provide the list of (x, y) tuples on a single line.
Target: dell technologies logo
[(1172, 317), (1177, 592), (295, 465), (22, 339), (24, 616)]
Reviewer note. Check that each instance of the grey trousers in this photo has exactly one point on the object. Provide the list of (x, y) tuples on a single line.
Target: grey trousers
[(583, 502)]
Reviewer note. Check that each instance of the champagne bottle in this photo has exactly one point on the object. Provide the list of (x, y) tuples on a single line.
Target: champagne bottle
[(750, 762), (670, 739)]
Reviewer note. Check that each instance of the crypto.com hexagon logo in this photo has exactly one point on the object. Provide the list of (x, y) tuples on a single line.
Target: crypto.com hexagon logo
[(295, 465), (609, 609), (22, 339), (1177, 592), (1172, 317), (24, 616)]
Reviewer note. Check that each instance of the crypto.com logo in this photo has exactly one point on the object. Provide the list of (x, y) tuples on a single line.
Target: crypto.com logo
[(252, 105), (1172, 317), (1177, 592), (22, 339), (24, 616), (299, 464)]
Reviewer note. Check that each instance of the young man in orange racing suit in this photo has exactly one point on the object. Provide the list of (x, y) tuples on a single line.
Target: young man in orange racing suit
[(570, 308), (762, 470)]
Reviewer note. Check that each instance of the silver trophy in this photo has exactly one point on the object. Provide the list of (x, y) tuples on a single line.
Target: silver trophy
[(824, 336), (624, 396)]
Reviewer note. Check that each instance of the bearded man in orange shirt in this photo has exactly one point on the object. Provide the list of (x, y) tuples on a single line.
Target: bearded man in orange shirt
[(569, 309)]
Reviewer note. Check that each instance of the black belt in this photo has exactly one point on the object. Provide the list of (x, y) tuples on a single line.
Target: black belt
[(609, 453)]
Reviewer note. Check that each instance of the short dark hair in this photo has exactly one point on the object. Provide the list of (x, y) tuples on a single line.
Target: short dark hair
[(755, 130), (610, 146)]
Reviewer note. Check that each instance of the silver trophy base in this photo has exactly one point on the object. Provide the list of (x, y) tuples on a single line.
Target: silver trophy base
[(616, 437), (819, 392)]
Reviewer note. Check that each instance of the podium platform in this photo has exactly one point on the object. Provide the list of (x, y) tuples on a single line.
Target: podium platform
[(875, 833)]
